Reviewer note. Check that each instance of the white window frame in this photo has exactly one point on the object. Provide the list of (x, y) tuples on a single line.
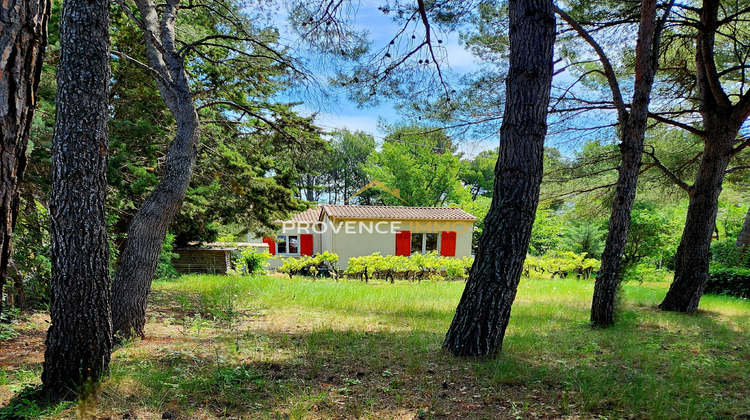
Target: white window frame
[(424, 242), (286, 245)]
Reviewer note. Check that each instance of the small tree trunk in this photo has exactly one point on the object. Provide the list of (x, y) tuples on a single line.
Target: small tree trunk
[(694, 252), (743, 240), (483, 313), (79, 340), (631, 147), (148, 228), (608, 278), (23, 36)]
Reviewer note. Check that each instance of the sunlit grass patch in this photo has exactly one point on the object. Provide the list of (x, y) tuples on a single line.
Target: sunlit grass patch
[(273, 347)]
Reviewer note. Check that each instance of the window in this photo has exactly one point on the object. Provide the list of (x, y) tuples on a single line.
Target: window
[(416, 242), (288, 245), (430, 242), (424, 242)]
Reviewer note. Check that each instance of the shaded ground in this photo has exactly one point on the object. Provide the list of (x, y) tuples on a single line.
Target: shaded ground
[(291, 354)]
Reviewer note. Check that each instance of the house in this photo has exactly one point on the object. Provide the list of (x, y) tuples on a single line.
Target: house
[(353, 231)]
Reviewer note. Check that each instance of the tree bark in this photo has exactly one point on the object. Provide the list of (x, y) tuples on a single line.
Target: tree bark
[(694, 252), (79, 340), (631, 147), (483, 313), (148, 228), (721, 121), (23, 36), (743, 240)]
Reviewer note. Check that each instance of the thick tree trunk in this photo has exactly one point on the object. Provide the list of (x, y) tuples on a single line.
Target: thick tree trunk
[(79, 340), (743, 240), (722, 121), (694, 252), (631, 148), (23, 36), (483, 313), (148, 228)]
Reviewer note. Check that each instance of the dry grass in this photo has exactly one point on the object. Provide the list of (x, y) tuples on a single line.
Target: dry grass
[(224, 347)]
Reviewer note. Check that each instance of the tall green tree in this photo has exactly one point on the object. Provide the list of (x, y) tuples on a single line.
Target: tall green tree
[(546, 234), (478, 327), (420, 163), (339, 172), (632, 121), (478, 174), (649, 234), (724, 107), (244, 174), (584, 236), (237, 53)]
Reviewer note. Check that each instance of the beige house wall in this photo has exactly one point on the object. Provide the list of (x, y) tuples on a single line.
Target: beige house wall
[(326, 235), (358, 240), (351, 238)]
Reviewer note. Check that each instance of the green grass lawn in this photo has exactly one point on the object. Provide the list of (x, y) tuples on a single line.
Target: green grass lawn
[(271, 347)]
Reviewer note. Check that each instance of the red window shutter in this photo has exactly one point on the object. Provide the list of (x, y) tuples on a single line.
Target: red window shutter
[(448, 244), (306, 244), (403, 243), (271, 244)]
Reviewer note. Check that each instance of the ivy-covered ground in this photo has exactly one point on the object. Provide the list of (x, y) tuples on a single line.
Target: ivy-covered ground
[(274, 347)]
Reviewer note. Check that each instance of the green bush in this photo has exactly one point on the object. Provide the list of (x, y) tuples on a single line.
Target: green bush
[(7, 329), (725, 253), (251, 261), (30, 403), (643, 272), (730, 281), (561, 264), (164, 269), (31, 256), (307, 265), (414, 267)]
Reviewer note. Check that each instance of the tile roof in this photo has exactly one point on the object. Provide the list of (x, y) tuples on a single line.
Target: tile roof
[(396, 212), (311, 215)]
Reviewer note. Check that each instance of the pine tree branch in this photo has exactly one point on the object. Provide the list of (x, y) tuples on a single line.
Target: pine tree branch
[(608, 69), (686, 127), (737, 168), (668, 172)]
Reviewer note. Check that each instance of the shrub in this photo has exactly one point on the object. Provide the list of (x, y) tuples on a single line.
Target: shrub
[(164, 269), (33, 265), (251, 261), (725, 253), (414, 267), (561, 264), (730, 281), (643, 272), (307, 265), (7, 330)]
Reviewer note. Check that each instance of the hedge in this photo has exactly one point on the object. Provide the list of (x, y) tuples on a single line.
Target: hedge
[(730, 281)]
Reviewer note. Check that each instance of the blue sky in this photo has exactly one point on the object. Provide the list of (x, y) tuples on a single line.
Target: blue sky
[(381, 29)]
